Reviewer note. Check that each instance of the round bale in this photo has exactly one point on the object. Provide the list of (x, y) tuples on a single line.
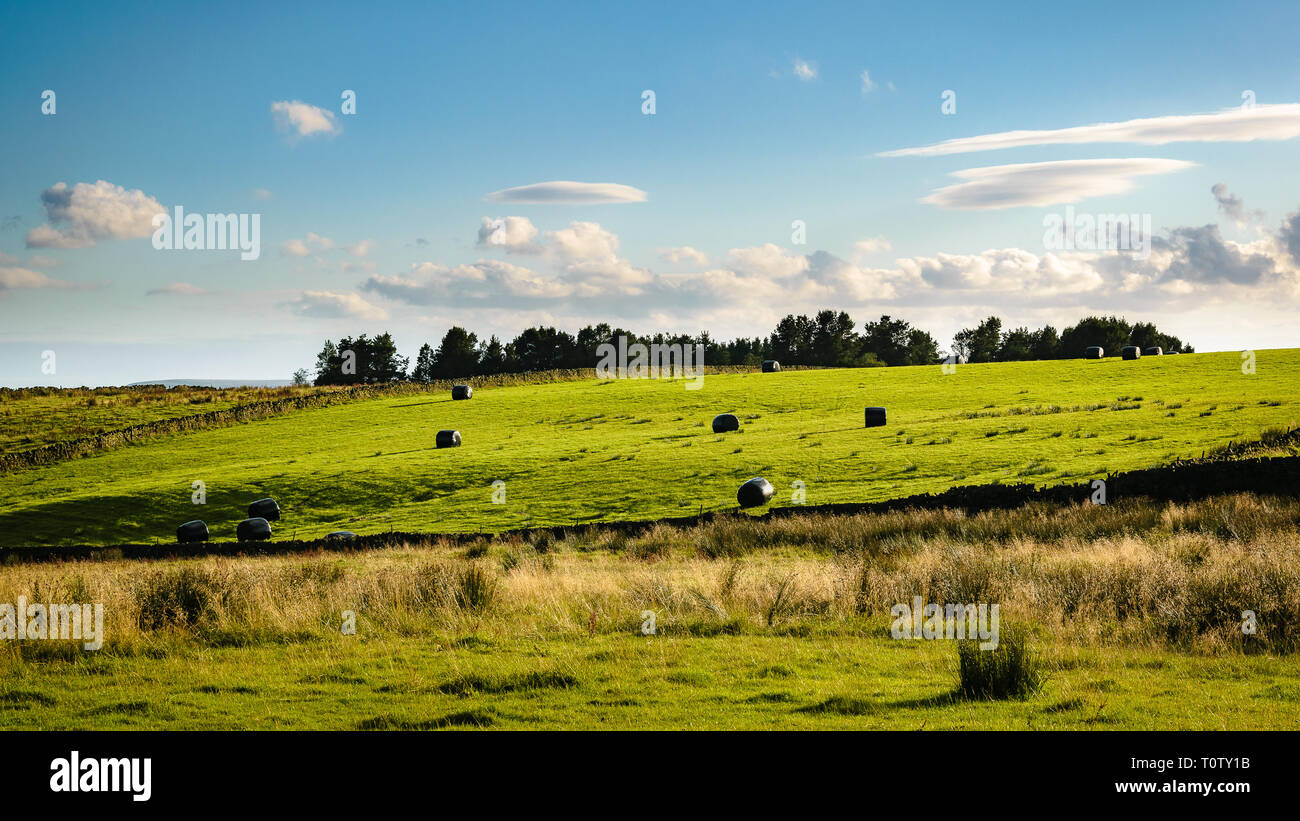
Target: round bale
[(195, 531), (264, 509), (1094, 352), (771, 366), (461, 392), (253, 529), (875, 417), (724, 422), (757, 491), (1154, 350), (1131, 352), (448, 439), (341, 536), (1172, 353)]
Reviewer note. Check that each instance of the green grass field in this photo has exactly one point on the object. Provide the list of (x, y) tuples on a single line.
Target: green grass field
[(1133, 618), (34, 417), (636, 449)]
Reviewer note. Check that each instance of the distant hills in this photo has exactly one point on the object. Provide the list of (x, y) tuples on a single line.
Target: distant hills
[(217, 383)]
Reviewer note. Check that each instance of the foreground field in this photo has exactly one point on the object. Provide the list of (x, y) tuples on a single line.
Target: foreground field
[(1133, 612), (637, 449)]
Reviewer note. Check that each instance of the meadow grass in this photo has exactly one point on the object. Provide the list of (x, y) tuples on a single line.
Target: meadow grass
[(1132, 620), (584, 451), (31, 417)]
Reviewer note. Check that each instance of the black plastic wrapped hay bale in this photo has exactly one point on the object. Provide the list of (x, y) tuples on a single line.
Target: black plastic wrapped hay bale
[(875, 417), (267, 509), (253, 529), (195, 531), (1154, 350), (340, 536), (1172, 353), (461, 392), (448, 439), (755, 493), (724, 422), (1131, 352), (771, 366), (1094, 352)]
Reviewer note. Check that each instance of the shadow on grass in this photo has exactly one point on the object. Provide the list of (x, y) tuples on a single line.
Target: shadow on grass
[(478, 717)]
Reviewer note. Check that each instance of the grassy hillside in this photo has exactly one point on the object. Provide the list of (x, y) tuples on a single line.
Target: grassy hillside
[(1132, 611), (32, 417), (587, 451)]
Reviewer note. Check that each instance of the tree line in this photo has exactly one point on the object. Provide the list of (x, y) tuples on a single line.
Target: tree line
[(830, 338)]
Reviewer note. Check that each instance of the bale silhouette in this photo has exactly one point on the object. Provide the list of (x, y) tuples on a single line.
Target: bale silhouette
[(195, 531), (1131, 352), (1094, 352), (448, 439), (1172, 353), (757, 491), (771, 366), (267, 509), (1154, 350), (724, 422), (253, 529), (461, 392), (875, 417), (341, 535)]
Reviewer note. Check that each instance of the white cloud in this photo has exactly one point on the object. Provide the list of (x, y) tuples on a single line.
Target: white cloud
[(362, 248), (262, 194), (867, 84), (874, 245), (178, 289), (42, 261), (1279, 121), (488, 280), (302, 120), (566, 192), (588, 256), (804, 70), (1046, 183), (767, 260), (514, 234), (86, 213), (16, 279), (1003, 270), (333, 305), (313, 243), (684, 255)]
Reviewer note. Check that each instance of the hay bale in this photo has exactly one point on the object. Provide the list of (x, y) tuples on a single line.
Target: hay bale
[(340, 536), (448, 439), (461, 392), (771, 366), (195, 531), (1131, 352), (1154, 350), (264, 509), (1094, 352), (875, 417), (757, 491), (1172, 353), (724, 422), (253, 529)]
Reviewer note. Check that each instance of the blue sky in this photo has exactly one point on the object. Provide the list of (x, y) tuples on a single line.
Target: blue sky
[(762, 117)]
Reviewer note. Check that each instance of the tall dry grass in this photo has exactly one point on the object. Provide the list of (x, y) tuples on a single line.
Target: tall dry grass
[(1160, 575)]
